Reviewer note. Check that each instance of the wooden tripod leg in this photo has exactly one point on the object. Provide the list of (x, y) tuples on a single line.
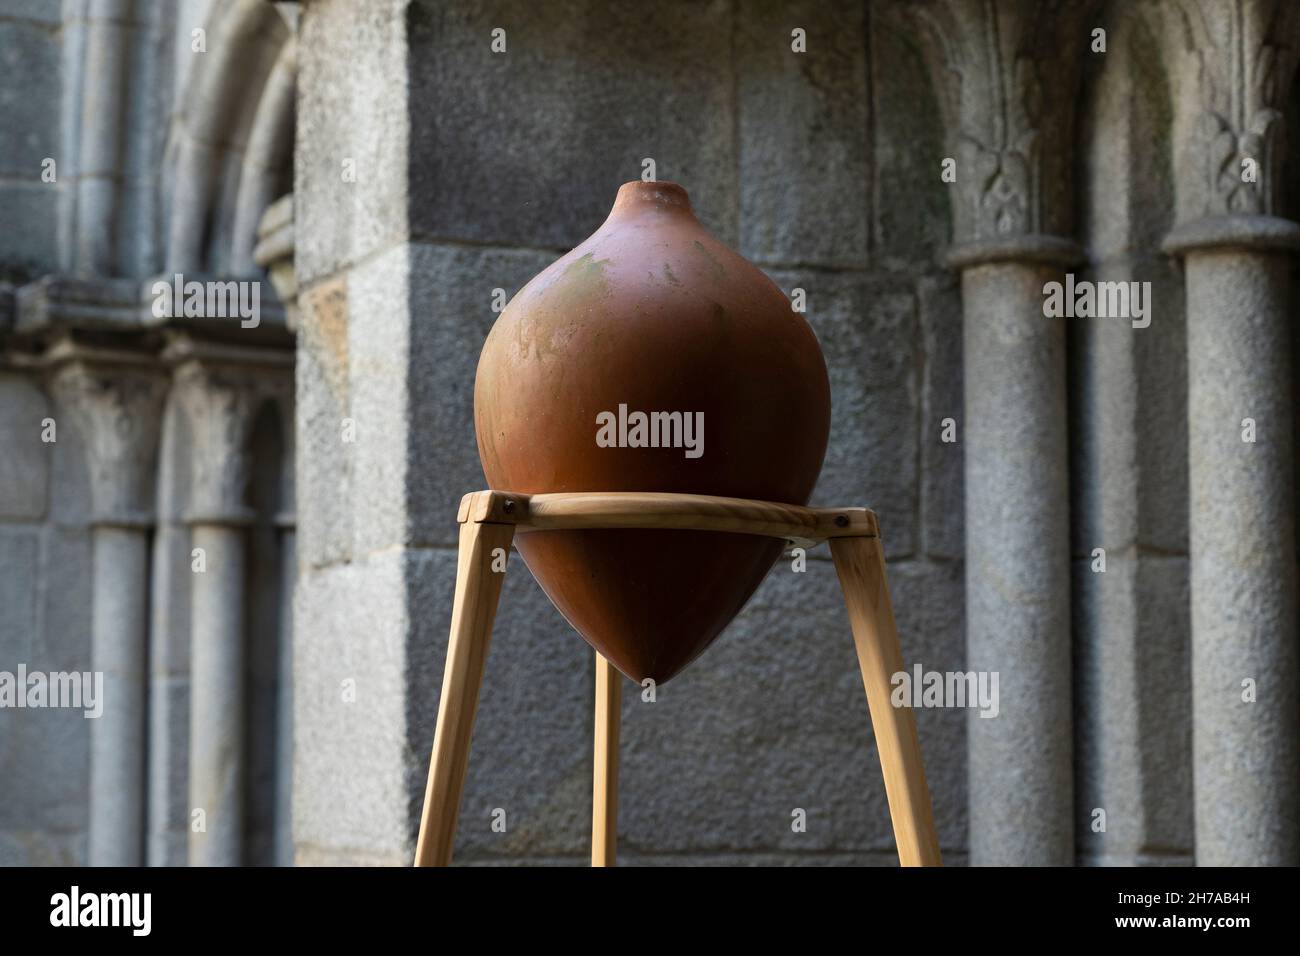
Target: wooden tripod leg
[(860, 564), (478, 587), (604, 792)]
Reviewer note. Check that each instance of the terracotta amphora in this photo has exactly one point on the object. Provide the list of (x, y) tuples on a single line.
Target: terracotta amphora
[(651, 358)]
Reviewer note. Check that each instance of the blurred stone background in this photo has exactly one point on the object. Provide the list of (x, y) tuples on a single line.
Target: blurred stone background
[(386, 170)]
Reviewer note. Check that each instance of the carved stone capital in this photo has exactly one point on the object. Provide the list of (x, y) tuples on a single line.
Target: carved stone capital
[(117, 409), (1007, 75), (1244, 55), (219, 401)]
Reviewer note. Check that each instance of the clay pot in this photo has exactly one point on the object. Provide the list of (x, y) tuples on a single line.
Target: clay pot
[(654, 314)]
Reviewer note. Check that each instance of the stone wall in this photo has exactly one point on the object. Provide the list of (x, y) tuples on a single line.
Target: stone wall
[(110, 174)]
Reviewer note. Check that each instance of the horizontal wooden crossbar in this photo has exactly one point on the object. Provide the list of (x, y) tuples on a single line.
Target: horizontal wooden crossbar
[(580, 510)]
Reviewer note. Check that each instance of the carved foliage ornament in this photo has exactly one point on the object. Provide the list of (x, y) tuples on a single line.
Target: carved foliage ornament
[(1245, 53), (1006, 72), (117, 412), (219, 404)]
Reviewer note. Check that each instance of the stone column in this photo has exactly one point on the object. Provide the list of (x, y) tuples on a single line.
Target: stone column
[(1128, 474), (117, 409), (286, 521), (275, 253), (283, 850), (1010, 117), (1237, 253), (219, 402)]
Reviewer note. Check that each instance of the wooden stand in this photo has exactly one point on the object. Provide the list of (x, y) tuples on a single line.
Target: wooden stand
[(489, 520)]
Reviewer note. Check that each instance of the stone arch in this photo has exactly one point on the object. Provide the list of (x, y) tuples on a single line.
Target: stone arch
[(267, 171), (231, 144), (921, 226)]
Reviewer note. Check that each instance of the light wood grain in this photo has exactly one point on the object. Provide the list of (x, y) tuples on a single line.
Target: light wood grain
[(561, 512), (604, 794), (860, 564), (478, 589)]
